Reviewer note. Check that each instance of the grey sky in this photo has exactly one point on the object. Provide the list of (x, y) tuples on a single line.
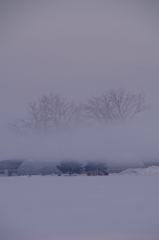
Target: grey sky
[(77, 48)]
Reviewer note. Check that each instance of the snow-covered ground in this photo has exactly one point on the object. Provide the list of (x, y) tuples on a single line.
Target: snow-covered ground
[(115, 207), (154, 170)]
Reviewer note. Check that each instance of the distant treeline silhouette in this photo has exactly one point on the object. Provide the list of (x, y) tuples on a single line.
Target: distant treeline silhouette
[(92, 168)]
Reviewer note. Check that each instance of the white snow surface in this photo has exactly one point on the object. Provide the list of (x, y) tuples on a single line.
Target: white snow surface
[(153, 170), (115, 207)]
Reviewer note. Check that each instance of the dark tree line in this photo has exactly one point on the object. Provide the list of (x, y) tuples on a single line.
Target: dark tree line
[(70, 167), (92, 168), (54, 113)]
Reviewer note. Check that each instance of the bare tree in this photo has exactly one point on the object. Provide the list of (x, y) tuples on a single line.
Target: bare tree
[(57, 113), (114, 106), (48, 113)]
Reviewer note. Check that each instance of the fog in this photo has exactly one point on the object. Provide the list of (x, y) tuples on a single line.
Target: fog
[(78, 49)]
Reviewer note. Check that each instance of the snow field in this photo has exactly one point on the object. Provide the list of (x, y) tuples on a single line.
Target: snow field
[(79, 207)]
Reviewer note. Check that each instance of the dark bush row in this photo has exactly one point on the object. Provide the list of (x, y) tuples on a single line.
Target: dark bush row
[(92, 168)]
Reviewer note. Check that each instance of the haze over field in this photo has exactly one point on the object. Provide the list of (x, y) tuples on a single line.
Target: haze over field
[(77, 49)]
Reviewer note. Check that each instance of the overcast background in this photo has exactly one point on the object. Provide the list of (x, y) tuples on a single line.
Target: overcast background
[(75, 49)]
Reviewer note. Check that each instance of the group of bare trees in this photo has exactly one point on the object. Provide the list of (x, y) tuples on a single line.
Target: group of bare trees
[(114, 106), (47, 114), (54, 113)]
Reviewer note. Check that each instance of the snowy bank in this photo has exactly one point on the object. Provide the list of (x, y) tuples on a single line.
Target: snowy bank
[(153, 170)]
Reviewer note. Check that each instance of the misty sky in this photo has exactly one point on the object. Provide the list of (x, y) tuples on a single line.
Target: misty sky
[(78, 48)]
